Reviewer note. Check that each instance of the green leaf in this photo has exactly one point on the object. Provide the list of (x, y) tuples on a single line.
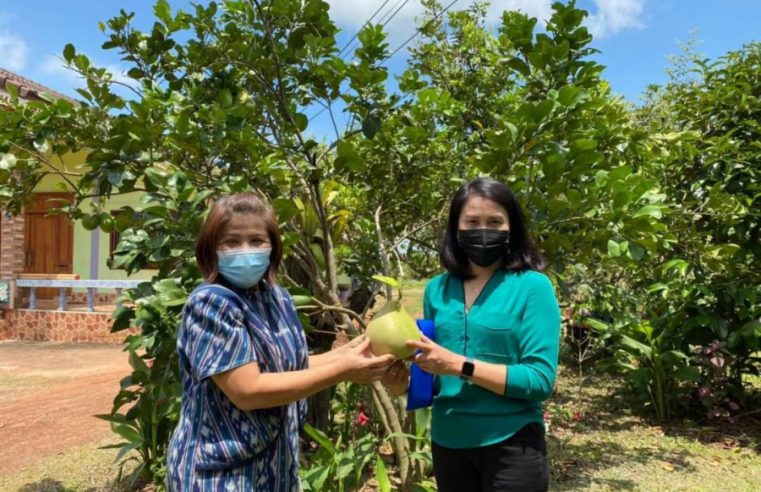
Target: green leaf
[(569, 95), (306, 323), (12, 89), (613, 249), (657, 287), (301, 121), (317, 476), (128, 432), (126, 449), (636, 252), (386, 280), (680, 265), (322, 439), (519, 66), (687, 373), (347, 157), (638, 347), (370, 126), (674, 357), (285, 208), (724, 251), (163, 11), (301, 300), (169, 293), (225, 98), (584, 144), (381, 475), (112, 417), (651, 211), (69, 52), (7, 161), (123, 317), (137, 363), (596, 324), (344, 471)]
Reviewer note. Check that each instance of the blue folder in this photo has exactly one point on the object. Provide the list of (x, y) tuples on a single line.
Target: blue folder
[(420, 392)]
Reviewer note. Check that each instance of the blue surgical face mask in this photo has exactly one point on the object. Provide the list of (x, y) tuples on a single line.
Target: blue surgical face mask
[(244, 268)]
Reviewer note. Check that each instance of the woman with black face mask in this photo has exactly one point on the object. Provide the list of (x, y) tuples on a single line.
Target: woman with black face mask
[(497, 325)]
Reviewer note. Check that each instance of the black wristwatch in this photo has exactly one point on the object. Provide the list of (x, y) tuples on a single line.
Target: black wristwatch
[(467, 369)]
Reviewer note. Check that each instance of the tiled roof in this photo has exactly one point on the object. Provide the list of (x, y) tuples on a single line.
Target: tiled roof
[(28, 89)]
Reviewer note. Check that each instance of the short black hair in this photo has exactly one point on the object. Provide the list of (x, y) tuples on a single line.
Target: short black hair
[(523, 255)]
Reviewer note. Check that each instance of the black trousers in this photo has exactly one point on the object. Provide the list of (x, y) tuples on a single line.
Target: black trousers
[(517, 464)]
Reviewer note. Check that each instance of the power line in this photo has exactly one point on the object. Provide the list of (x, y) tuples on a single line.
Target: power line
[(363, 26), (385, 19), (392, 10), (417, 31), (408, 40)]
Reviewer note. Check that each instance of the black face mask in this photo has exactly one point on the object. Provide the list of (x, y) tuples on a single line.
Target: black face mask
[(484, 246)]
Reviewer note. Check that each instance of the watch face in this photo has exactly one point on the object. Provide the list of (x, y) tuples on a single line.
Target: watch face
[(467, 369)]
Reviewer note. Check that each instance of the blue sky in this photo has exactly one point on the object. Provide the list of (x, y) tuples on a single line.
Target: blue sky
[(635, 37)]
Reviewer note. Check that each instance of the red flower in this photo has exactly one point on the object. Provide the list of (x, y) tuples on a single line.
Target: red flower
[(362, 419), (578, 416)]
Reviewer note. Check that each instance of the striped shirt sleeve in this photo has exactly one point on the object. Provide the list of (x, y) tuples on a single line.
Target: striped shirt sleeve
[(215, 337)]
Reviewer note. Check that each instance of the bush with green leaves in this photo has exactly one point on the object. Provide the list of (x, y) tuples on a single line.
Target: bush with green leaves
[(707, 124), (648, 217)]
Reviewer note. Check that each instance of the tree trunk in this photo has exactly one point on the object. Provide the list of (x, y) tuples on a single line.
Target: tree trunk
[(318, 413)]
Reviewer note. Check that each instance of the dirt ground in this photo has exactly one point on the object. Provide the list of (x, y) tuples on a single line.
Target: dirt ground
[(49, 393)]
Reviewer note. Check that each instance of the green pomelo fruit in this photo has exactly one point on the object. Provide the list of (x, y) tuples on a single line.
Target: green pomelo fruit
[(390, 329)]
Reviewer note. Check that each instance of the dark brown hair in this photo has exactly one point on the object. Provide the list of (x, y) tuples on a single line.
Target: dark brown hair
[(216, 223), (524, 254)]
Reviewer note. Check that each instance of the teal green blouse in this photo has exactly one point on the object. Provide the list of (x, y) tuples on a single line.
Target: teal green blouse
[(515, 321)]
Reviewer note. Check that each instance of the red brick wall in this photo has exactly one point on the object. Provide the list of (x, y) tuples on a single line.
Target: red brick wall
[(58, 326), (12, 246)]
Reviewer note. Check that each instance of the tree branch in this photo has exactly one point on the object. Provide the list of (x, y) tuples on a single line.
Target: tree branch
[(382, 249), (55, 170), (406, 235)]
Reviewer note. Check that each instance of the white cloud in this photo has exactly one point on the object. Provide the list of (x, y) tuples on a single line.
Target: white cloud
[(607, 17), (354, 13), (541, 9), (53, 65), (350, 15), (13, 51), (613, 16)]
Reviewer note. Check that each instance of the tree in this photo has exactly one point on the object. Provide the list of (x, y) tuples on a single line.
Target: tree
[(217, 106), (705, 121)]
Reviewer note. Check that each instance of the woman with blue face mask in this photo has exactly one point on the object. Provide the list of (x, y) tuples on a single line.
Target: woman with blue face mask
[(497, 328), (244, 363)]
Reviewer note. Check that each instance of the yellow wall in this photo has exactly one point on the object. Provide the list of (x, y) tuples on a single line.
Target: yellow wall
[(83, 238)]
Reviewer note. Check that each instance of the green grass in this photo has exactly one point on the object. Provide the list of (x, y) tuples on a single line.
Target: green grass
[(412, 300), (81, 469), (609, 447), (11, 385)]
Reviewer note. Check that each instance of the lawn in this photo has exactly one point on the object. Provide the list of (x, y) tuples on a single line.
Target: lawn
[(80, 469), (596, 438), (598, 442)]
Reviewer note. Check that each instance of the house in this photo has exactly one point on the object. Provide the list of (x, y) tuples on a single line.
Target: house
[(59, 286)]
